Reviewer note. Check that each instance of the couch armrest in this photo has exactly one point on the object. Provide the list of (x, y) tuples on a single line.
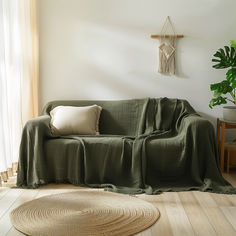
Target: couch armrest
[(202, 139), (40, 124), (196, 123)]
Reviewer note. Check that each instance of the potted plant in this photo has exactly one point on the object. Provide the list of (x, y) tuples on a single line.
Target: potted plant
[(224, 91)]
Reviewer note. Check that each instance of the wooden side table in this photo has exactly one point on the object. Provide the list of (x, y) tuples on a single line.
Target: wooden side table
[(223, 124)]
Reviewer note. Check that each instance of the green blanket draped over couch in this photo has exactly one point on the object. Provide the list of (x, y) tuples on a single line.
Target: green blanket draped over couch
[(146, 146)]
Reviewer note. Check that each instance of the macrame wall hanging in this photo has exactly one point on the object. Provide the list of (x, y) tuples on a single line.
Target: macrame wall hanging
[(167, 48)]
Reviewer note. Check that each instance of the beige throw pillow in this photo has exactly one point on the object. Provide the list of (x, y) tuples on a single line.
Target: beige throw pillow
[(67, 120)]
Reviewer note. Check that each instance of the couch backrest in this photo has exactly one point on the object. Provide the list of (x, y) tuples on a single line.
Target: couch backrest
[(123, 117)]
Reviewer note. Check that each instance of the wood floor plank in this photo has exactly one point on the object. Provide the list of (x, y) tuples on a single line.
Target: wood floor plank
[(204, 199), (221, 199), (230, 214), (162, 227), (5, 224), (215, 216), (8, 199), (14, 232), (231, 177), (232, 198), (45, 192), (196, 215), (57, 188), (146, 232), (3, 191), (177, 217), (61, 186)]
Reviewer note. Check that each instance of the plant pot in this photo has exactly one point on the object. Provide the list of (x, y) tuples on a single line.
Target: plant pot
[(229, 113)]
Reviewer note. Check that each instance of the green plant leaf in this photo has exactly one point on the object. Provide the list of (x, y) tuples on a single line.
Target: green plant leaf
[(234, 84), (233, 43), (215, 60), (221, 88), (217, 101), (232, 53), (227, 51), (217, 93), (231, 75), (225, 58)]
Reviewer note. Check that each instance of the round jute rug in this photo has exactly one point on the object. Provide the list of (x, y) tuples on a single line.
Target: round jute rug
[(85, 212)]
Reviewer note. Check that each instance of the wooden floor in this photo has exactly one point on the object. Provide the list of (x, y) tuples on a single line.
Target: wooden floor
[(183, 213)]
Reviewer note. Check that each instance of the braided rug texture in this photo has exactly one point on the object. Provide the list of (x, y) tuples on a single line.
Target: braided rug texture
[(86, 212)]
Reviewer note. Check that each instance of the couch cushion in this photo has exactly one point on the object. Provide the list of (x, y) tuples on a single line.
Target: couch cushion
[(75, 120)]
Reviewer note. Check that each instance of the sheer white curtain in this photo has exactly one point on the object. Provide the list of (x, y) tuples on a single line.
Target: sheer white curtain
[(18, 76)]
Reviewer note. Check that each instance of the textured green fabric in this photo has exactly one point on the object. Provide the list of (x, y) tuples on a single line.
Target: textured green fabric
[(118, 117), (146, 146)]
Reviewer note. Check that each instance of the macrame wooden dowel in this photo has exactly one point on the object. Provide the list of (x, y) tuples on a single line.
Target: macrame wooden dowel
[(156, 36)]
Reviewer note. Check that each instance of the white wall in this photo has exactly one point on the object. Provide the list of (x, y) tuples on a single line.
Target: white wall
[(101, 49)]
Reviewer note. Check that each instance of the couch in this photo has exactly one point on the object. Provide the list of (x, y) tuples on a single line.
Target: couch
[(145, 145)]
